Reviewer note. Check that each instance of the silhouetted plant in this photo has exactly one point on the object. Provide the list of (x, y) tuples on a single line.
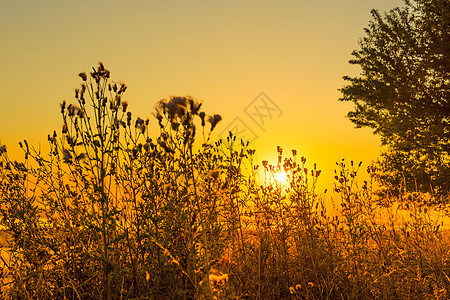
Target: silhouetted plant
[(113, 213)]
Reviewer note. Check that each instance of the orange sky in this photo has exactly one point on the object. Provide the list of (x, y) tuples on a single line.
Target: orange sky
[(224, 52)]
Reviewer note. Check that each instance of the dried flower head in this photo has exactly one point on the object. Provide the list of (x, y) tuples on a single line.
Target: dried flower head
[(63, 106), (83, 76), (202, 116), (141, 128), (279, 150), (214, 120), (123, 88), (195, 106), (124, 106)]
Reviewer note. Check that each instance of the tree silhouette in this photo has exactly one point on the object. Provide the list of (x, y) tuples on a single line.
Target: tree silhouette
[(403, 94)]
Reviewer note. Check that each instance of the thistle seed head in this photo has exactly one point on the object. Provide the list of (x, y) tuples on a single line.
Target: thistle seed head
[(83, 76), (214, 120), (123, 88), (139, 121), (124, 105), (63, 106)]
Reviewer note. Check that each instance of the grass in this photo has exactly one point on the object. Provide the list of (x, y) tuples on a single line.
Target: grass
[(112, 213)]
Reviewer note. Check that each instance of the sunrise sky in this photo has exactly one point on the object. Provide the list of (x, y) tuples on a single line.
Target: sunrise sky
[(223, 52)]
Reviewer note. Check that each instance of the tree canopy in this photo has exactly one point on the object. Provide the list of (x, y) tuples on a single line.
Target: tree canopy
[(403, 93)]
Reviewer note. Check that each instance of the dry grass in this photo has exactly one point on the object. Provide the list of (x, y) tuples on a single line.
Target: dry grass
[(183, 217)]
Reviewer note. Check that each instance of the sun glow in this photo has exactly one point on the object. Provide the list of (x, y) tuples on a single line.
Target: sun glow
[(281, 178)]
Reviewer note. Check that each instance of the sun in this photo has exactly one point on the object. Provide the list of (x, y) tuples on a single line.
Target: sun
[(281, 178)]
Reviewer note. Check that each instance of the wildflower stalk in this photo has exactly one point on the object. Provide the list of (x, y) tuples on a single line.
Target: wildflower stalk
[(109, 214)]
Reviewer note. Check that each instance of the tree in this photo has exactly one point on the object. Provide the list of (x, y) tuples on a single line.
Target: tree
[(403, 93)]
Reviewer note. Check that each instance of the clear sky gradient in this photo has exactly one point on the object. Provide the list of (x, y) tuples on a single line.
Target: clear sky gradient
[(223, 52)]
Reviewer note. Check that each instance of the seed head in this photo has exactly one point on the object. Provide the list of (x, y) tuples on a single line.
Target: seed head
[(202, 116), (2, 149), (83, 76), (279, 150), (179, 101), (63, 106), (141, 128), (195, 106), (123, 88), (124, 106), (139, 121), (214, 120)]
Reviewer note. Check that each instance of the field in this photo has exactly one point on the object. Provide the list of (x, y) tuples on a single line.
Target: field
[(112, 213)]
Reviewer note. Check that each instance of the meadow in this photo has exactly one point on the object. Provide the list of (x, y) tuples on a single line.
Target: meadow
[(111, 212)]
